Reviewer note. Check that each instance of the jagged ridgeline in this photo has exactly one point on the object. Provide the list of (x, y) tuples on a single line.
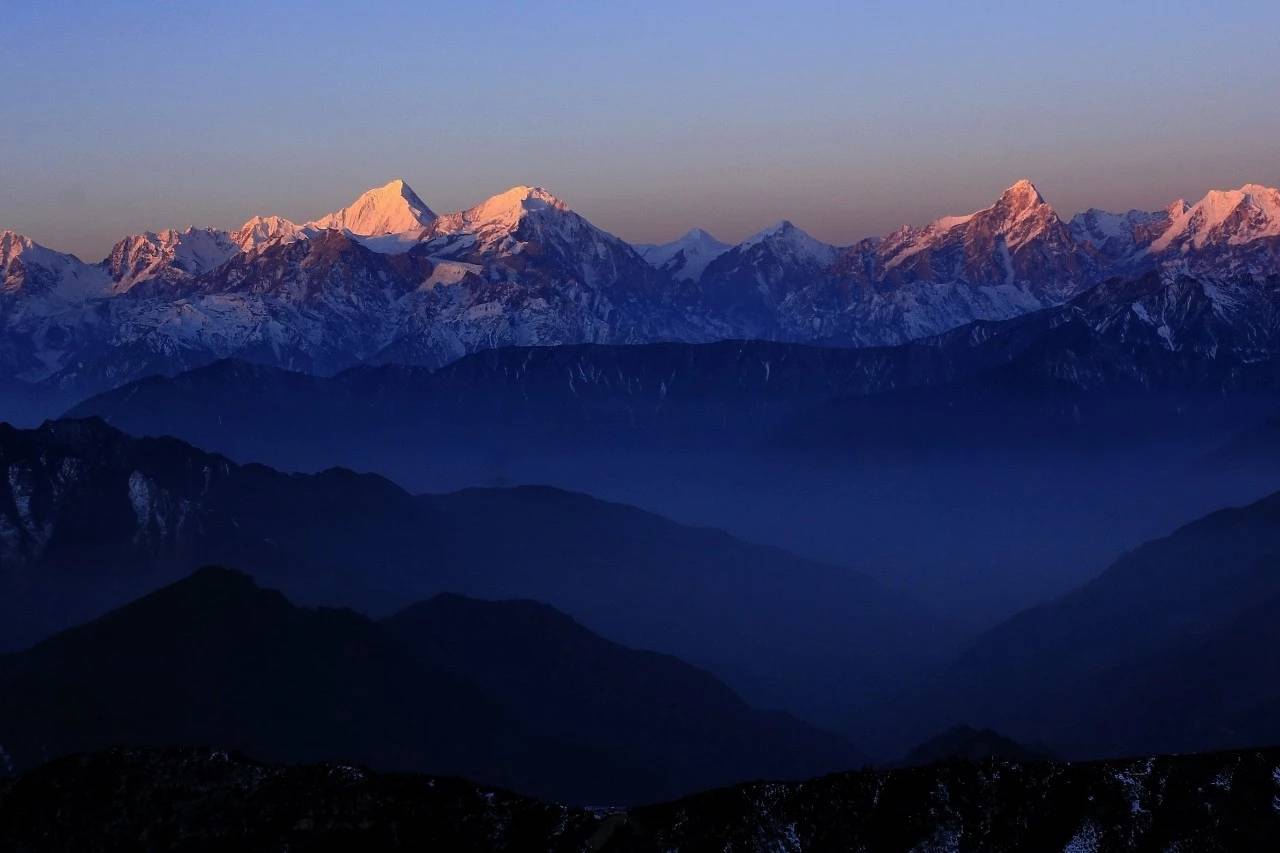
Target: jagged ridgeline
[(387, 280)]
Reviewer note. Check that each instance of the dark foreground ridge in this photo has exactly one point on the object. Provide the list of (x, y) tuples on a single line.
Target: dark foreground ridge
[(192, 799)]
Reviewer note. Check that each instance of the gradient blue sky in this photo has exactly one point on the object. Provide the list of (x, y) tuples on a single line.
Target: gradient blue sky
[(649, 118)]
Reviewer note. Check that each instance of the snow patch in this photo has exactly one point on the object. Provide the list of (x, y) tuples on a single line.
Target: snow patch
[(687, 257), (1086, 840), (142, 498), (450, 272)]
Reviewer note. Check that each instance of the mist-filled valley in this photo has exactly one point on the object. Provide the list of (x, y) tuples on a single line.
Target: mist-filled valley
[(976, 499)]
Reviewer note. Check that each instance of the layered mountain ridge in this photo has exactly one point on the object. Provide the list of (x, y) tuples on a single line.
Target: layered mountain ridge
[(90, 517), (510, 692)]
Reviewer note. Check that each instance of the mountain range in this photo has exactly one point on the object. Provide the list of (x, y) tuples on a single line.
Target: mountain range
[(1168, 649), (388, 280), (1080, 429)]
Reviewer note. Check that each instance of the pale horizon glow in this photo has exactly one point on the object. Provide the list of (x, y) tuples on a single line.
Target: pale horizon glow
[(850, 122)]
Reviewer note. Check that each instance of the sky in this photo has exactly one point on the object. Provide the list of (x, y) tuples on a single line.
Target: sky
[(649, 118)]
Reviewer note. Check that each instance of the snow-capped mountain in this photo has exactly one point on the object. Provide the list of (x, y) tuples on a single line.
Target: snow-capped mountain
[(519, 268), (1019, 242), (44, 320), (686, 257), (35, 273), (1119, 237), (1013, 257), (748, 288), (260, 230), (1228, 232), (523, 268), (392, 208), (317, 304), (385, 279), (1224, 218), (170, 256)]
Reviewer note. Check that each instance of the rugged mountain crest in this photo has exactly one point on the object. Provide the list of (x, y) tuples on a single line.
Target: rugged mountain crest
[(502, 222), (1018, 242), (522, 268), (171, 256), (1119, 237), (32, 271), (1223, 218), (749, 288)]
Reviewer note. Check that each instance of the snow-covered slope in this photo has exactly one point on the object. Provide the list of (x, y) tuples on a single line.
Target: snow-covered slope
[(170, 255), (35, 272), (747, 289), (523, 268), (1018, 242), (1119, 237), (1007, 259), (261, 230), (48, 307), (1227, 232), (1224, 218)]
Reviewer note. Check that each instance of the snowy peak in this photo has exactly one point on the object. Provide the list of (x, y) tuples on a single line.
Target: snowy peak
[(170, 255), (261, 230), (699, 236), (1118, 236), (1020, 216), (778, 230), (686, 257), (786, 239), (1023, 195), (28, 268), (19, 254), (13, 245), (1223, 218), (506, 209), (1017, 243), (506, 221), (393, 208)]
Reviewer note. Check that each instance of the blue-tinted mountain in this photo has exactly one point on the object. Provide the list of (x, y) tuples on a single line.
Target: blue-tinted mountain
[(1168, 650), (215, 659), (641, 709), (93, 517), (511, 693)]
